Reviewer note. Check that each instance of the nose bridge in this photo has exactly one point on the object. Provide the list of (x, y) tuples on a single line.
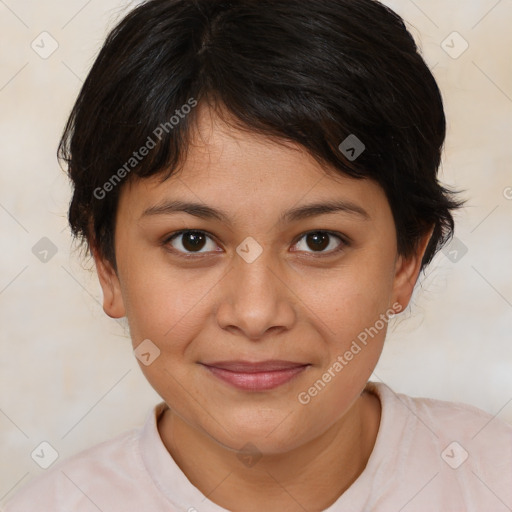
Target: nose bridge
[(256, 277), (255, 281), (257, 298)]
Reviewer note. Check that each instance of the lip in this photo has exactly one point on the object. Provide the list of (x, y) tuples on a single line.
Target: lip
[(256, 376)]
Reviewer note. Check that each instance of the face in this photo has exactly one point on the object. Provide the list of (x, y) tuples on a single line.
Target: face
[(252, 296)]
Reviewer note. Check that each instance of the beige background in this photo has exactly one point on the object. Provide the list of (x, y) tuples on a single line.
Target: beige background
[(67, 373)]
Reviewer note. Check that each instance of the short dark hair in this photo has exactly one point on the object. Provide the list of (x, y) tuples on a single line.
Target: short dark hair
[(307, 72)]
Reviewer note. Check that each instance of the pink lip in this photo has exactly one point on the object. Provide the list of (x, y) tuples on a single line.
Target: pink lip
[(258, 376)]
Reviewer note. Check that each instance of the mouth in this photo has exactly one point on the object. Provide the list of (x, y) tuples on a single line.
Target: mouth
[(256, 376)]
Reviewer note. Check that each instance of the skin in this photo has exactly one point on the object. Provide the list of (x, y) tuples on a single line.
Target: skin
[(297, 301)]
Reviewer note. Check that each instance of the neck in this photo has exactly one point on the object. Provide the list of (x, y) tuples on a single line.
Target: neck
[(312, 476)]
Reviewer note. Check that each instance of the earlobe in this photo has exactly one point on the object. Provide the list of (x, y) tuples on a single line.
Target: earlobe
[(113, 304), (407, 270)]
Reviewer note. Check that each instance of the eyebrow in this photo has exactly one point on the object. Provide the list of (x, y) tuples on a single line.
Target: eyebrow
[(299, 213)]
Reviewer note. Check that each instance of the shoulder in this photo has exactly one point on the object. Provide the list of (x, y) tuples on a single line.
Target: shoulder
[(74, 483), (458, 419), (463, 420), (462, 452), (465, 432)]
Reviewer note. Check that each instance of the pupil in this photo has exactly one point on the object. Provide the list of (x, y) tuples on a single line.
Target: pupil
[(320, 240), (193, 240)]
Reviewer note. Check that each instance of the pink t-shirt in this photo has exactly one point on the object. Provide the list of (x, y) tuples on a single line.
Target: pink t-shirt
[(429, 456)]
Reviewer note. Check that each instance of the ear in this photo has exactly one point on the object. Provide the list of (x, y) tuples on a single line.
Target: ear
[(113, 304), (407, 270)]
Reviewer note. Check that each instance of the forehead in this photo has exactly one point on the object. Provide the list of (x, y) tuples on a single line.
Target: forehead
[(219, 142), (238, 170)]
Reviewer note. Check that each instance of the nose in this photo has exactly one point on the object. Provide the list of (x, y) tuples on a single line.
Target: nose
[(257, 300)]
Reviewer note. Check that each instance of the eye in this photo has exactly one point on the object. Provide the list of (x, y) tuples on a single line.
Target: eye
[(318, 241), (190, 242)]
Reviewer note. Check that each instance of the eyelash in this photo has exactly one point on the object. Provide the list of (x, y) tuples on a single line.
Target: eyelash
[(343, 245)]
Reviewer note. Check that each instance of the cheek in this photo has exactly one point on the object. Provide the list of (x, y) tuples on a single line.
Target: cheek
[(355, 308), (351, 297), (165, 303)]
